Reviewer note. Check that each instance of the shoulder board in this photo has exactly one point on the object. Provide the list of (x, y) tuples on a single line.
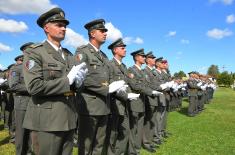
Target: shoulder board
[(83, 46), (35, 45)]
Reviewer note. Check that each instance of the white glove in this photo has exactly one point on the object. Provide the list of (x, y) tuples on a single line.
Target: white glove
[(203, 87), (199, 84), (122, 89), (163, 86), (74, 71), (2, 81), (132, 96), (116, 85), (170, 84), (80, 77), (156, 93)]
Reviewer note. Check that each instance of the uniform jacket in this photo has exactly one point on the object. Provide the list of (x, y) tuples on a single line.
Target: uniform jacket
[(119, 101), (192, 87), (137, 83), (45, 76), (152, 83), (94, 99), (17, 84)]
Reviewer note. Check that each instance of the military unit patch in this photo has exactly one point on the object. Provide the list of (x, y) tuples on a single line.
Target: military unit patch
[(130, 75), (13, 74), (79, 57), (29, 64)]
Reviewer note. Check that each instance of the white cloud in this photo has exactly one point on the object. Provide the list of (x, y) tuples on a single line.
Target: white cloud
[(12, 26), (74, 39), (130, 40), (171, 33), (230, 19), (219, 34), (225, 2), (1, 67), (138, 40), (113, 32), (5, 48), (25, 6), (184, 41)]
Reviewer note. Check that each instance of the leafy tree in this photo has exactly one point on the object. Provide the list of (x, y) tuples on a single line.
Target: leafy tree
[(233, 76), (213, 70), (180, 74), (225, 79)]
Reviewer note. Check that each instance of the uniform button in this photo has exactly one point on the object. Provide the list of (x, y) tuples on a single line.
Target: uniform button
[(38, 105)]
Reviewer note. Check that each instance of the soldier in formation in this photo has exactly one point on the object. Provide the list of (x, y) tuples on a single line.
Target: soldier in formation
[(51, 93)]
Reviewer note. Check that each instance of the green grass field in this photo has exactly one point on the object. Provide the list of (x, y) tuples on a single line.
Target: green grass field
[(212, 132)]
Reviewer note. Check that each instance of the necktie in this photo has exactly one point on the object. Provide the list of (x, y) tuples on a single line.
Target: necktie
[(100, 54), (61, 53)]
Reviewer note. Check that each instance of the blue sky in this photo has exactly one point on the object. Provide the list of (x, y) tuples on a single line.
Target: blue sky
[(190, 34)]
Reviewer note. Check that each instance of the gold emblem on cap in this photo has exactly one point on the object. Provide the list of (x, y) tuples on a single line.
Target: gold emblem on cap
[(61, 14)]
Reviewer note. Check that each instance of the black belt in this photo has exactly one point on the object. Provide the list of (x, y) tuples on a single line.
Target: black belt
[(22, 94)]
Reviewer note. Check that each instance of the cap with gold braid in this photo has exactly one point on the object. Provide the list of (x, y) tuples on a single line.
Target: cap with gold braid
[(55, 14)]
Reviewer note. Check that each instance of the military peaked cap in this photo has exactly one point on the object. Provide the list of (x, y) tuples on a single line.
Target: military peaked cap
[(159, 59), (26, 45), (118, 43), (138, 52), (150, 55), (193, 72), (55, 14), (96, 24), (18, 57)]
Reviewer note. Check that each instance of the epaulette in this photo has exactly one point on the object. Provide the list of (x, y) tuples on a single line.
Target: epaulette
[(35, 45), (83, 46)]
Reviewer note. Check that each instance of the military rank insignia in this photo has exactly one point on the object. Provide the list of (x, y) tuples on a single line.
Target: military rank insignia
[(29, 64)]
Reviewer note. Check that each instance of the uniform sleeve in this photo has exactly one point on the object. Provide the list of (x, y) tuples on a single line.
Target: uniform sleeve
[(15, 81), (34, 80)]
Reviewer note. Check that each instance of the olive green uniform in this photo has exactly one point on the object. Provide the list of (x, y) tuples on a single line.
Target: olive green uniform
[(94, 106), (151, 104), (52, 114), (137, 83), (193, 96), (119, 119), (21, 99)]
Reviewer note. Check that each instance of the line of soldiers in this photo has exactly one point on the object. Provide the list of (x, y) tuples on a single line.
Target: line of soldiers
[(200, 91), (114, 109)]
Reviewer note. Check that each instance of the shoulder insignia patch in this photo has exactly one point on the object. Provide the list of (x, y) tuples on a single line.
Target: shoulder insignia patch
[(13, 74), (79, 57), (29, 64), (130, 75)]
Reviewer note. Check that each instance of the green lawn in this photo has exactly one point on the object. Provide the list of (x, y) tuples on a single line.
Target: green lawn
[(210, 133)]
